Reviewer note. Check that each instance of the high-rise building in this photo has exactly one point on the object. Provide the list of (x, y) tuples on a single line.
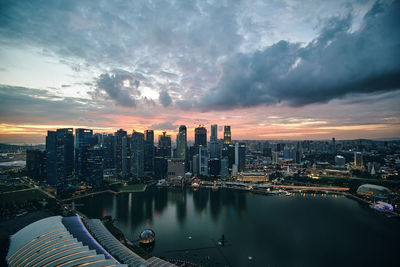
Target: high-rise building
[(340, 161), (214, 132), (51, 159), (95, 166), (181, 143), (230, 154), (275, 157), (83, 141), (126, 156), (108, 146), (164, 142), (215, 148), (214, 167), (333, 150), (137, 155), (224, 168), (195, 165), (241, 157), (227, 135), (203, 161), (176, 168), (36, 164), (160, 163), (149, 151), (200, 136), (358, 160), (60, 156), (118, 150)]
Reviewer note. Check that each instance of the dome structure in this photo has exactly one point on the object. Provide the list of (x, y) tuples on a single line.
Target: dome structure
[(373, 190), (147, 237)]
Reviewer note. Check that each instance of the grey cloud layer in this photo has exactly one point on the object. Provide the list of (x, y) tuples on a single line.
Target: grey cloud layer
[(27, 105), (337, 63), (120, 86), (180, 49)]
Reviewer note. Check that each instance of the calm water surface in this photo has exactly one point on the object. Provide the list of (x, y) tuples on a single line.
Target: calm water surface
[(297, 230)]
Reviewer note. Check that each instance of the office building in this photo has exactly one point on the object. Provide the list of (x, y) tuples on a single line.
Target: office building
[(126, 156), (340, 161), (214, 167), (36, 164), (195, 165), (176, 168), (60, 157), (149, 152), (119, 135), (95, 166), (241, 162), (108, 146), (164, 143), (200, 137), (181, 143), (137, 155), (83, 141), (224, 168), (203, 161), (358, 160), (227, 135), (215, 149)]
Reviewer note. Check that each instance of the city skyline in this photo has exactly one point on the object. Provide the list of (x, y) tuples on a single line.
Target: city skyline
[(271, 70)]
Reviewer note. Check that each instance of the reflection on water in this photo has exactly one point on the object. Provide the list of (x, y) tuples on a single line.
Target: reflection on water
[(302, 229)]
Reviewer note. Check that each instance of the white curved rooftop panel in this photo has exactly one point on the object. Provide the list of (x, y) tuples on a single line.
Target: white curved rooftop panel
[(48, 242)]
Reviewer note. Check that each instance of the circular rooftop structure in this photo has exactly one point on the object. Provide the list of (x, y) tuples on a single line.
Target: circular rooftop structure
[(147, 237), (373, 190)]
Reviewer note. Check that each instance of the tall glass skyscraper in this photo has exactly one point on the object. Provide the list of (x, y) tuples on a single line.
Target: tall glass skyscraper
[(137, 155), (83, 141), (149, 151), (60, 156), (215, 149), (200, 136), (181, 142), (227, 135), (118, 150)]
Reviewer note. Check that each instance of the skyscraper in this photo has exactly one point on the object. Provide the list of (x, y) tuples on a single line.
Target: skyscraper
[(181, 143), (227, 135), (36, 164), (200, 136), (95, 166), (137, 155), (149, 151), (224, 168), (51, 159), (108, 151), (60, 156), (214, 132), (215, 149), (126, 156), (242, 157), (203, 161), (164, 142), (83, 141), (358, 160), (118, 150)]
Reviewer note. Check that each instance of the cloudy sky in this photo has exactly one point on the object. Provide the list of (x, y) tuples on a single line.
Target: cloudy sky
[(271, 69)]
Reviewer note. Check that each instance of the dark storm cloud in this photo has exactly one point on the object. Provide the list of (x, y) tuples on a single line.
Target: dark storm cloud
[(336, 63), (119, 86), (165, 99)]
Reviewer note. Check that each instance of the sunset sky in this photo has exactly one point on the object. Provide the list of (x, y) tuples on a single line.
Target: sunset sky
[(270, 69)]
